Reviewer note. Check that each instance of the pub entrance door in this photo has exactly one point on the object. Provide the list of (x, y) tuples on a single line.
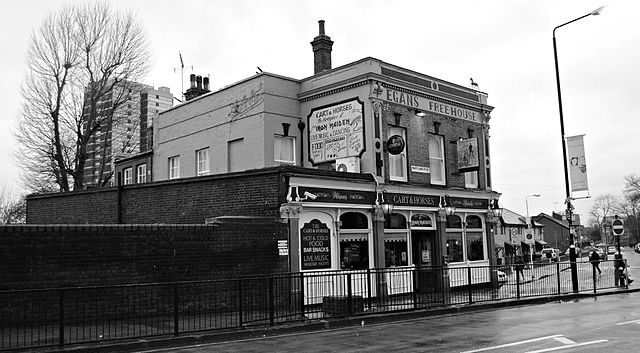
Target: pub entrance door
[(427, 276)]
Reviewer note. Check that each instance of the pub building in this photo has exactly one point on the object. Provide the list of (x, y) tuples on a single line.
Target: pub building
[(401, 158)]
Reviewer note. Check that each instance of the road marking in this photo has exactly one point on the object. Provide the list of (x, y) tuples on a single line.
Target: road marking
[(564, 340), (629, 322), (568, 346), (512, 344)]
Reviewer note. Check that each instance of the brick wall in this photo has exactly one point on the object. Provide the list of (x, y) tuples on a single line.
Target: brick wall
[(182, 201), (46, 256), (417, 129)]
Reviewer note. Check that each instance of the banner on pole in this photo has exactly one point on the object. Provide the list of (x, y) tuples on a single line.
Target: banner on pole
[(577, 163)]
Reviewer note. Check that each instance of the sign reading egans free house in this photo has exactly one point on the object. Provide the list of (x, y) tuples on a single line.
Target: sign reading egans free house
[(315, 245), (336, 131)]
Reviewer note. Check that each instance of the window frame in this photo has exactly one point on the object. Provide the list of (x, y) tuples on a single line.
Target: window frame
[(277, 138), (127, 176), (141, 175), (399, 158), (440, 160), (199, 162), (174, 166)]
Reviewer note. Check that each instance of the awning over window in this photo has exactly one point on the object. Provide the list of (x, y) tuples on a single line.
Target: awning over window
[(499, 246), (541, 242), (395, 237), (353, 237)]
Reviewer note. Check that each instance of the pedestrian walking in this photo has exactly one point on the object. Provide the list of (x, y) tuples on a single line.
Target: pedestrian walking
[(595, 261), (520, 266)]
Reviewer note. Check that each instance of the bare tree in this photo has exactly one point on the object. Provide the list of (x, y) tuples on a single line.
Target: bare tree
[(603, 206), (12, 207), (84, 63)]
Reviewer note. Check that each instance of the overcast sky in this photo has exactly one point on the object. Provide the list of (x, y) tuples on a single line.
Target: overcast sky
[(505, 46)]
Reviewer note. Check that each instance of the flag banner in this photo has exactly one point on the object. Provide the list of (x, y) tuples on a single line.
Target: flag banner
[(577, 163), (468, 155)]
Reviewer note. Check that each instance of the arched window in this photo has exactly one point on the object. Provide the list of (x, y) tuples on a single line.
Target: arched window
[(354, 240), (354, 220), (395, 221), (474, 221), (395, 240), (474, 238), (454, 221)]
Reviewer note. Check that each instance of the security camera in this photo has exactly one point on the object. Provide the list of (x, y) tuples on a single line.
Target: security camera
[(310, 195)]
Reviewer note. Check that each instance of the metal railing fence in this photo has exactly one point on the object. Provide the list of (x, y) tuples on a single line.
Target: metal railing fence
[(67, 316)]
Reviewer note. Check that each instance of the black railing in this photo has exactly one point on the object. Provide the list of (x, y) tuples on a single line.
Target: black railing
[(67, 316)]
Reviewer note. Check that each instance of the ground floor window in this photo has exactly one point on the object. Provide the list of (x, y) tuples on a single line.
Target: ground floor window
[(475, 246), (454, 247), (395, 253), (354, 255)]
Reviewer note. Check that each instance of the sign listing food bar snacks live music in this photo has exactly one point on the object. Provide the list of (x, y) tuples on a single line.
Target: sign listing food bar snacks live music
[(336, 131), (315, 243)]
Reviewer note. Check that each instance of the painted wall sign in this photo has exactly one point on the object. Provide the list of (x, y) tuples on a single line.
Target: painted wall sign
[(339, 196), (336, 131), (434, 201), (395, 145), (468, 155), (430, 105), (315, 245), (459, 202), (421, 220), (413, 200)]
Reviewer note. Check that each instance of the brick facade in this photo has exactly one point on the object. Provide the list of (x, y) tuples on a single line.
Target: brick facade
[(182, 201), (48, 256)]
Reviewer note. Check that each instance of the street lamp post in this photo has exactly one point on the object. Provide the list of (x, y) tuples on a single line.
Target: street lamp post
[(569, 211), (526, 201)]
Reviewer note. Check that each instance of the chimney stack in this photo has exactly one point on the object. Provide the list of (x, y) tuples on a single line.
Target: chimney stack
[(197, 88), (321, 45)]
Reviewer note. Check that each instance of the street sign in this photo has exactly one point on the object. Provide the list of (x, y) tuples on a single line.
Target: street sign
[(618, 226)]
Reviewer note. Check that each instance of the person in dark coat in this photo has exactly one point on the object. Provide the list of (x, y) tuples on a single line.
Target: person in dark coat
[(595, 261), (620, 275), (520, 266)]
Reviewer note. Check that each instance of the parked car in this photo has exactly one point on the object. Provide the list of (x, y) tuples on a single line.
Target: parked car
[(637, 248), (550, 253), (612, 250)]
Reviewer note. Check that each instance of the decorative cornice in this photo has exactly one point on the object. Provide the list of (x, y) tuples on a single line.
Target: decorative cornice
[(335, 90)]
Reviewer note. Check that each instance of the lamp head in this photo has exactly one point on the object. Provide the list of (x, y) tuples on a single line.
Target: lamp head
[(597, 11)]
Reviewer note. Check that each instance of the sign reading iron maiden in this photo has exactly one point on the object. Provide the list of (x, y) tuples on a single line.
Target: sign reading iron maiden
[(336, 131)]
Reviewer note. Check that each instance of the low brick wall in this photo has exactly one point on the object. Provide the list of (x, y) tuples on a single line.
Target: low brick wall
[(48, 256)]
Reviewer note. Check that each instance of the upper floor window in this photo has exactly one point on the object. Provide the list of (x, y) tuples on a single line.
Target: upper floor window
[(398, 162), (436, 159), (202, 161), (284, 149), (128, 176), (174, 167), (471, 180), (142, 173)]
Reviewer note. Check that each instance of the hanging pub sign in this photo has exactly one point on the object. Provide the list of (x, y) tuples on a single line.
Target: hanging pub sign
[(468, 155), (315, 246), (336, 131), (395, 145)]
